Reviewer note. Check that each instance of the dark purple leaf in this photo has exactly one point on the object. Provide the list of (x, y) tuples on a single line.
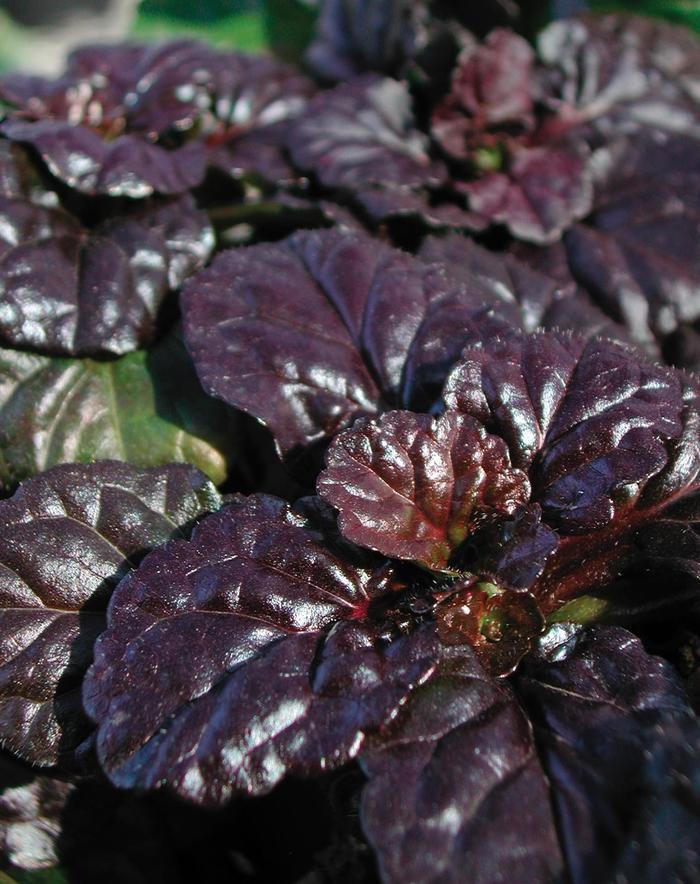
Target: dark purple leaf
[(637, 254), (412, 487), (362, 35), (392, 203), (326, 326), (662, 844), (621, 73), (539, 194), (456, 790), (240, 106), (515, 551), (492, 85), (67, 537), (74, 291), (608, 440), (127, 166), (272, 688), (541, 296), (115, 122), (15, 171), (363, 133), (599, 704)]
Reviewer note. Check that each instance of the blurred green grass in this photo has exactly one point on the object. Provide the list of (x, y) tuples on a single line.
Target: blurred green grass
[(683, 12), (281, 26)]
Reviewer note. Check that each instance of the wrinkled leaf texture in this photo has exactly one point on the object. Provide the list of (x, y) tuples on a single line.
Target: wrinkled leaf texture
[(71, 291), (609, 443), (256, 591), (67, 538), (114, 122), (461, 784)]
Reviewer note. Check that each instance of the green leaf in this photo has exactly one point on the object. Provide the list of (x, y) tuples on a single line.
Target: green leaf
[(212, 20), (684, 12), (41, 876), (289, 25), (146, 408)]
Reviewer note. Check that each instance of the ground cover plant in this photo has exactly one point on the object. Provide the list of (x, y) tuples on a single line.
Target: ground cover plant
[(350, 455)]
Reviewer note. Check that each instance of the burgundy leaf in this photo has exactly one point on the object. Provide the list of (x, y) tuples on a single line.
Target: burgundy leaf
[(540, 193), (599, 704), (117, 120), (127, 166), (492, 85), (608, 440), (73, 291), (412, 486), (363, 133), (67, 537), (499, 626), (271, 690), (619, 73), (326, 326), (456, 790), (528, 297)]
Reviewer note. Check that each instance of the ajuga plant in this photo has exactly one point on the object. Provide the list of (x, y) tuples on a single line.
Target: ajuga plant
[(366, 550)]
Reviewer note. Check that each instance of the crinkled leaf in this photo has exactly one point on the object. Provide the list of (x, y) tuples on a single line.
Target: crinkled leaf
[(620, 73), (72, 291), (147, 408), (115, 121), (528, 298), (492, 86), (67, 537), (540, 193), (498, 625), (599, 704), (577, 407), (363, 133), (127, 166), (269, 690), (609, 442), (456, 790), (412, 486), (326, 326)]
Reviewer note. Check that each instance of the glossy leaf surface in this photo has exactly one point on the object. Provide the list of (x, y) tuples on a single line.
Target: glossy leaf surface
[(146, 408), (67, 538), (272, 691), (324, 327), (598, 706), (411, 486), (72, 291), (444, 780)]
